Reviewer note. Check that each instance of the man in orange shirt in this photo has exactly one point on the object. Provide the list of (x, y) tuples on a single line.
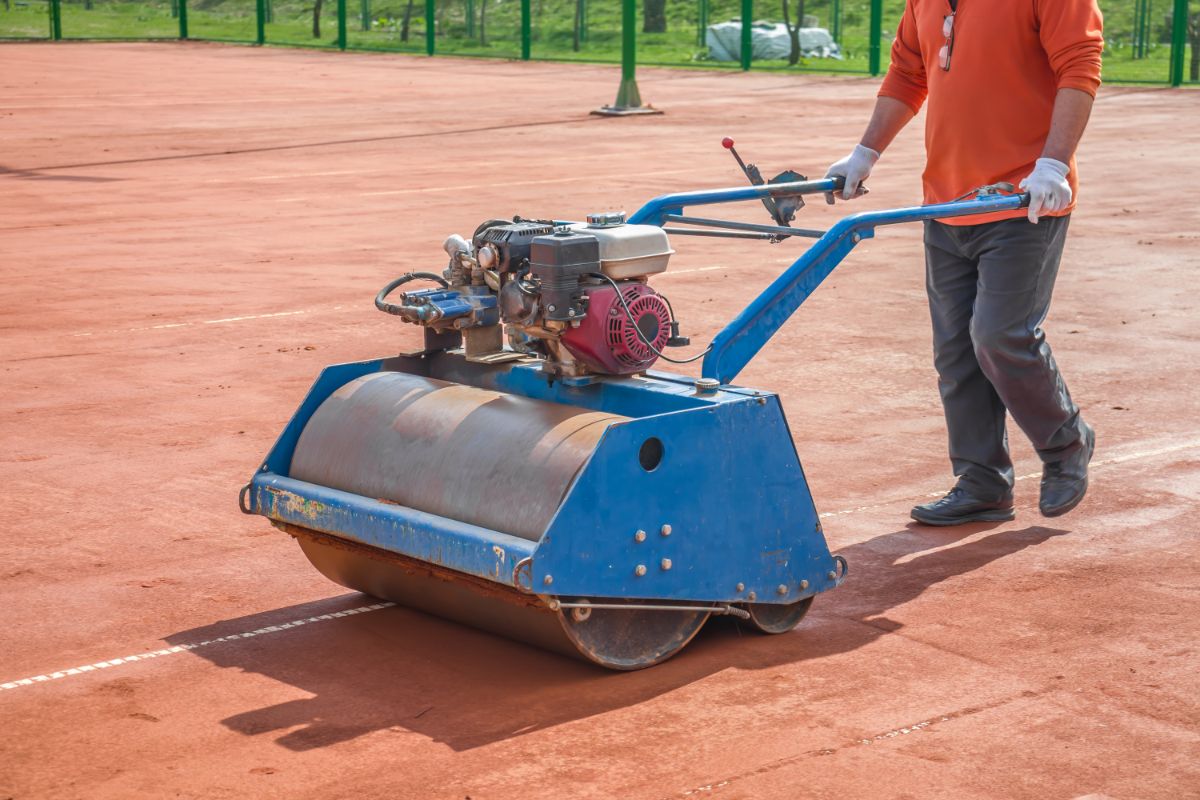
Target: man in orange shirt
[(1010, 89)]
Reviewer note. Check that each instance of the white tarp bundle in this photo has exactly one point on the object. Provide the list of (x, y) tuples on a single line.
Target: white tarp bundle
[(770, 42)]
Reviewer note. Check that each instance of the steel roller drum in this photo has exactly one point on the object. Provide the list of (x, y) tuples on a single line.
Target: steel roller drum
[(495, 460)]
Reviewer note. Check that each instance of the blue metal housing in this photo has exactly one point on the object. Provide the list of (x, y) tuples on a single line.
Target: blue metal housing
[(726, 526)]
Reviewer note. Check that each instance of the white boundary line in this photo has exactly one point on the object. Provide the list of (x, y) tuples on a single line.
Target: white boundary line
[(1108, 462), (224, 321), (325, 309), (477, 186), (180, 648)]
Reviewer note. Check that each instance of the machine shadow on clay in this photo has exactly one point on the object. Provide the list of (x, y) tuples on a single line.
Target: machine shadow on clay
[(406, 671)]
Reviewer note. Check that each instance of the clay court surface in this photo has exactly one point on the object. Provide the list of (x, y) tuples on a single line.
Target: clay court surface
[(189, 233)]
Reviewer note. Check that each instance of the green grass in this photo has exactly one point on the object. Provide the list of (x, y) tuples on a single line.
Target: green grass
[(553, 29)]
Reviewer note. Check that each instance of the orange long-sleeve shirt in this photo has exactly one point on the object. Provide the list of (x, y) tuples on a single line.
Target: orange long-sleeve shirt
[(989, 115)]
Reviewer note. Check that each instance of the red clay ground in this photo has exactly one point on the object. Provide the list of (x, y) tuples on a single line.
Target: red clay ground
[(190, 232)]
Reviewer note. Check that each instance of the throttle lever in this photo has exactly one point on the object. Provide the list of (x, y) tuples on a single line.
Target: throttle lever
[(783, 210)]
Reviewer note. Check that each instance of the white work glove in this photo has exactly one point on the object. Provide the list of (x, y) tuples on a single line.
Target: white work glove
[(855, 168), (1048, 188)]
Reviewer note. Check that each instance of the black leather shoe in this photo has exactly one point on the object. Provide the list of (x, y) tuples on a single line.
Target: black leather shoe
[(1064, 483), (959, 506)]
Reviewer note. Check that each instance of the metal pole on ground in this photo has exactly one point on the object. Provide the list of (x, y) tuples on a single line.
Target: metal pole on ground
[(183, 31), (835, 23), (341, 30), (876, 34), (260, 12), (747, 33), (629, 99), (430, 33), (470, 19), (55, 20), (526, 29), (1179, 20)]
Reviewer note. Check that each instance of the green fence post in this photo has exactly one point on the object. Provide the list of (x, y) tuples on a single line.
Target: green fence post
[(836, 22), (260, 20), (470, 19), (629, 99), (1179, 20), (430, 33), (701, 22), (183, 31), (747, 38), (55, 20), (526, 29), (364, 13), (876, 34), (341, 22)]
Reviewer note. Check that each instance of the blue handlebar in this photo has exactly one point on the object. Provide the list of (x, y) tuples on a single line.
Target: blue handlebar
[(742, 338), (656, 211)]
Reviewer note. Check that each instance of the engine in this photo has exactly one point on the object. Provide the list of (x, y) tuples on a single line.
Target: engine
[(574, 295)]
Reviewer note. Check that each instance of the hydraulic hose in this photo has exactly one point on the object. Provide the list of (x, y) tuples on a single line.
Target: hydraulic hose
[(404, 311)]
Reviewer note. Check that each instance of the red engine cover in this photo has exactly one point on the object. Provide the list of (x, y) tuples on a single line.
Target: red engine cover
[(607, 342)]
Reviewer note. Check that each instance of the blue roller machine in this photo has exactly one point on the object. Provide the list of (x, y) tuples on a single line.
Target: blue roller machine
[(527, 473)]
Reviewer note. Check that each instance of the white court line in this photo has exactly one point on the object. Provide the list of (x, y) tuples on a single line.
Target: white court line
[(179, 648), (476, 186), (296, 175), (1136, 456), (223, 321), (1195, 443), (169, 325), (687, 271)]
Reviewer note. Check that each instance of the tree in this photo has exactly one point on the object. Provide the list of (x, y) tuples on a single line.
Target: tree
[(1194, 36), (655, 16), (578, 24), (794, 31), (404, 25)]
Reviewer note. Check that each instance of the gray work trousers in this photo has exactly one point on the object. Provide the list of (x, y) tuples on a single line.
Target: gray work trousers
[(989, 290)]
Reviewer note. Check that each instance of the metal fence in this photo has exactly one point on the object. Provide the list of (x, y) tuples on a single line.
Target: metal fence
[(1148, 41)]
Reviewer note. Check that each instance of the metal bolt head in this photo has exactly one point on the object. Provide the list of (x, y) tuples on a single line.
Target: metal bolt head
[(551, 308), (781, 589), (665, 563), (832, 575), (741, 587), (639, 570), (549, 579), (570, 312), (752, 597), (803, 585), (666, 530), (640, 536)]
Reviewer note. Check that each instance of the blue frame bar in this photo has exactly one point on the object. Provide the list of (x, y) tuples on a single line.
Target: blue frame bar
[(742, 338), (656, 211), (438, 540)]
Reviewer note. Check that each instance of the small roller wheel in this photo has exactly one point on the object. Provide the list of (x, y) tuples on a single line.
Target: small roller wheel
[(774, 618)]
